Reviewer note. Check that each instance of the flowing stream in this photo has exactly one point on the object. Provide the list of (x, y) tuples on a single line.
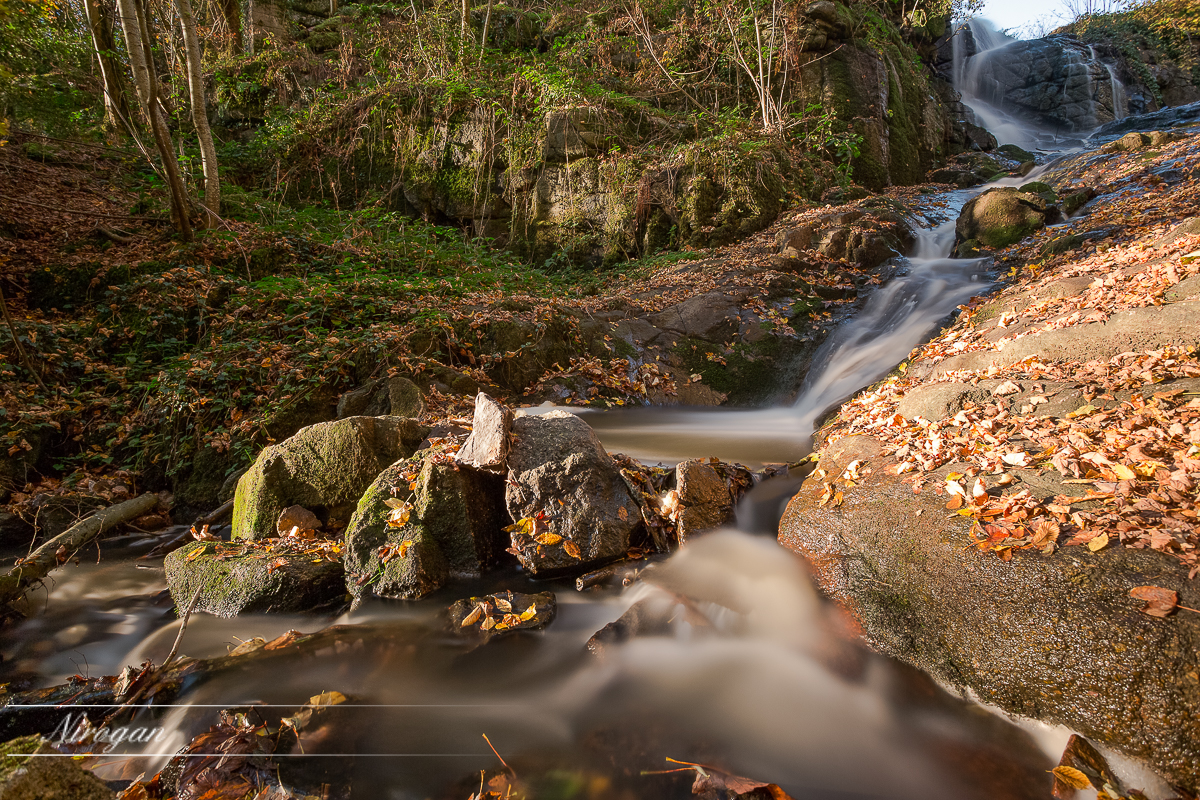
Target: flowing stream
[(757, 673)]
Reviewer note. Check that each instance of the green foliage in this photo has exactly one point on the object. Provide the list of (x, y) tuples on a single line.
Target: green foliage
[(45, 62), (1168, 27)]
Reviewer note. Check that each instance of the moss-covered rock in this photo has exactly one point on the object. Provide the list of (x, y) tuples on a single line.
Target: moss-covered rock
[(324, 468), (23, 776), (1000, 217), (1018, 154), (453, 529), (251, 583), (1042, 190)]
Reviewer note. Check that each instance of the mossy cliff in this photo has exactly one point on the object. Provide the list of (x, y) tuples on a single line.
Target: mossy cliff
[(571, 137)]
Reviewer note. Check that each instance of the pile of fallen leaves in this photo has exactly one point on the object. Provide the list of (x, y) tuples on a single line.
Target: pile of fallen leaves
[(616, 383), (1135, 461), (280, 549)]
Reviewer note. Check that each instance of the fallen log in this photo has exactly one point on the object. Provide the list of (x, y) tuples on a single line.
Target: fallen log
[(33, 568), (190, 534)]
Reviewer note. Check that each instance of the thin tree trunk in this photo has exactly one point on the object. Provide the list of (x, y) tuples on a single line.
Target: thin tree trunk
[(138, 38), (99, 18), (208, 153), (46, 558), (130, 27)]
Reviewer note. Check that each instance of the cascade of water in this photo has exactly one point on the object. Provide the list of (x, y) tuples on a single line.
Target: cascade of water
[(896, 318)]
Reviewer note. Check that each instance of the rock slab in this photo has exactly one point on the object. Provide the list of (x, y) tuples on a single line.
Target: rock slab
[(487, 446), (234, 585), (1051, 637)]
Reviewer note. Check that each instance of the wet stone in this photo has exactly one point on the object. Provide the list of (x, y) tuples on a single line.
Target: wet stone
[(233, 585), (501, 614), (577, 509)]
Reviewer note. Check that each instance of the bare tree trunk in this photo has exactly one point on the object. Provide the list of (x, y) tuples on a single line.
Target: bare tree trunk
[(208, 153), (99, 18), (127, 9), (462, 34), (138, 38)]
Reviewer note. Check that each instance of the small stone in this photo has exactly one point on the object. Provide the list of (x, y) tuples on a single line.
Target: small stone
[(704, 498), (487, 447), (502, 613), (297, 517)]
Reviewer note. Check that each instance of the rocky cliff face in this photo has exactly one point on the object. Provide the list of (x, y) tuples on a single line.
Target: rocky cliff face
[(1060, 82), (610, 178)]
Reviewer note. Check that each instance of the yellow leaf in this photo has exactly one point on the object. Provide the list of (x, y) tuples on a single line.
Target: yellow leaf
[(1147, 469), (327, 699), (1071, 777), (503, 604), (404, 548), (528, 613), (1082, 411), (1098, 543), (487, 624), (572, 550), (394, 502), (547, 538), (1123, 472), (472, 618)]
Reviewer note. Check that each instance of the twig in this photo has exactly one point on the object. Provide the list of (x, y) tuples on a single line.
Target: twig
[(12, 328), (113, 236), (502, 761), (186, 616), (78, 213)]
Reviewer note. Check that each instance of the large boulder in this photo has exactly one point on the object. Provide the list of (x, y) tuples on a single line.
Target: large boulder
[(253, 582), (1000, 217), (324, 467), (572, 506), (453, 528), (1054, 637)]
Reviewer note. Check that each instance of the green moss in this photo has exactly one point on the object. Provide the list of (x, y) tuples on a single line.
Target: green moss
[(16, 752)]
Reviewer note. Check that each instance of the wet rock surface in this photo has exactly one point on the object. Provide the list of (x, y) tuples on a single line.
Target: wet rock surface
[(501, 614), (253, 582), (567, 486), (1056, 638)]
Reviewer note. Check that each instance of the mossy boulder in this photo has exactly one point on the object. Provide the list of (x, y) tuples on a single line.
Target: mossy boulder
[(325, 468), (1018, 154), (1000, 217), (1042, 190), (254, 582), (454, 529), (25, 776)]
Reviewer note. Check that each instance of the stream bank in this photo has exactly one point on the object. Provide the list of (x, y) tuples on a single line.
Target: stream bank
[(995, 510)]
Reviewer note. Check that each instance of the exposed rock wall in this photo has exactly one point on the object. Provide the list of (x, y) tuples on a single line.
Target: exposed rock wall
[(581, 183)]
